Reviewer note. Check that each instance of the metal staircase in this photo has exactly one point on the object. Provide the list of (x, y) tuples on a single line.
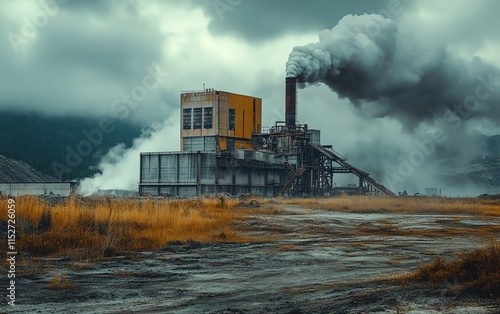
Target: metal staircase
[(345, 167), (296, 174)]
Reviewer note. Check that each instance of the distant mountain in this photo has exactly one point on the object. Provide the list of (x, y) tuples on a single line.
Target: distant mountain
[(12, 171), (48, 144), (483, 173), (485, 176), (494, 146)]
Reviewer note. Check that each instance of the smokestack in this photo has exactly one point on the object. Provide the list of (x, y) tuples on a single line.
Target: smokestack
[(291, 102)]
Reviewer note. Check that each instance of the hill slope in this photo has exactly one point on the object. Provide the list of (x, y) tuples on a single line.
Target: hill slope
[(12, 171)]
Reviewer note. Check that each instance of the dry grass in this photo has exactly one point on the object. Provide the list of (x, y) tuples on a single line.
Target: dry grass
[(100, 227), (289, 247), (87, 265), (96, 227), (404, 205), (60, 283), (389, 229), (29, 268), (477, 271)]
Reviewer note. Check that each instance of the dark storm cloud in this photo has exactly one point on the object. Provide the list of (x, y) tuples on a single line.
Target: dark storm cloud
[(386, 71), (120, 48), (86, 55), (262, 19), (422, 69)]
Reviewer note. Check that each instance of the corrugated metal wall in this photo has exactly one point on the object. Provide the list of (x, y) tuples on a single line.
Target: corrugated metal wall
[(189, 174), (49, 188), (199, 143)]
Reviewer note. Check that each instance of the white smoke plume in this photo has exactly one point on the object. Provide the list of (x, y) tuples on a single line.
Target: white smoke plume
[(119, 169)]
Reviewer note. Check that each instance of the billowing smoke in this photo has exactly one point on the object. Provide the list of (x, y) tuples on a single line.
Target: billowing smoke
[(387, 68), (377, 65), (119, 169)]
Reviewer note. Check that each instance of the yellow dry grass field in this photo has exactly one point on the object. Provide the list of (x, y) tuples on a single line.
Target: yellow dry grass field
[(89, 228), (402, 205), (95, 227), (477, 271)]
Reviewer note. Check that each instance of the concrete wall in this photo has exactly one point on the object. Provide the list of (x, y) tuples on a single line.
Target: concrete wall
[(247, 120), (16, 189), (178, 168), (188, 174)]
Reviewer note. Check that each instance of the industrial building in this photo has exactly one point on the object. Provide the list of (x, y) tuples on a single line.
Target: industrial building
[(219, 121), (18, 178), (39, 188), (225, 150)]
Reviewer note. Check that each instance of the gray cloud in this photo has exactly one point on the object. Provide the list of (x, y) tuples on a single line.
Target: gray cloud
[(92, 7), (80, 60), (257, 20), (455, 21)]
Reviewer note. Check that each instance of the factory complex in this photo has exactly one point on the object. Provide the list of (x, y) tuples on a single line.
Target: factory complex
[(224, 149)]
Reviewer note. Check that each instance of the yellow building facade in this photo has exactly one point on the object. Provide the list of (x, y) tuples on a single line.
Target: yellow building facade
[(219, 121)]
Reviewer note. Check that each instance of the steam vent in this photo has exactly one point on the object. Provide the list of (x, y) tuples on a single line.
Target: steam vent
[(225, 150)]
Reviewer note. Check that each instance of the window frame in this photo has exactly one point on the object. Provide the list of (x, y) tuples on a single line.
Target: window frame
[(232, 120), (186, 119), (197, 118), (208, 118)]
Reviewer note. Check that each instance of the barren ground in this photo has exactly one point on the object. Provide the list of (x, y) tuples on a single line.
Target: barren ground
[(313, 261)]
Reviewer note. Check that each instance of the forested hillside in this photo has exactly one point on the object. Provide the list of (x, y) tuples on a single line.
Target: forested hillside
[(41, 141)]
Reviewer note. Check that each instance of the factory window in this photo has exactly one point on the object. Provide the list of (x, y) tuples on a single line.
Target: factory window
[(186, 119), (232, 116), (208, 119), (197, 117)]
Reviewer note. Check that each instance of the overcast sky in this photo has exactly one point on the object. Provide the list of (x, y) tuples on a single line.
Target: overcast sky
[(93, 57)]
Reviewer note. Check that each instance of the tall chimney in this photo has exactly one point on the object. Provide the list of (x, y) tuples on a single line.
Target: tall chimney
[(291, 102)]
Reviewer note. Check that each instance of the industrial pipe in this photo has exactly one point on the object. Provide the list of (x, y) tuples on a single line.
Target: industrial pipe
[(291, 102)]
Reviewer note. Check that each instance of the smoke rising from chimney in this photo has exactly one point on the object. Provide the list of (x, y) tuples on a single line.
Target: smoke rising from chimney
[(378, 65)]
